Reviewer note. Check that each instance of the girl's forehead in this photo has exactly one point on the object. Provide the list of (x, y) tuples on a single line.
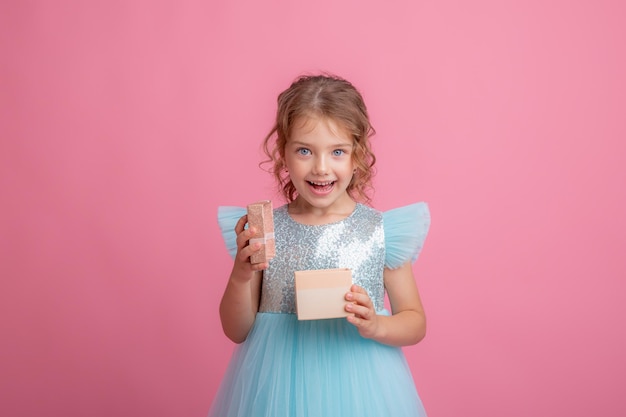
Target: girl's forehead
[(307, 124)]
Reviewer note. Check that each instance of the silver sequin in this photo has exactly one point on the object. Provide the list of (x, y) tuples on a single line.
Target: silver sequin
[(356, 242)]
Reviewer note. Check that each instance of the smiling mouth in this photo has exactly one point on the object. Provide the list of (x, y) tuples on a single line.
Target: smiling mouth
[(321, 186)]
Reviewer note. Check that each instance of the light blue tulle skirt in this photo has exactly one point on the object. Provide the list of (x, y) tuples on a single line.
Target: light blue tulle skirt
[(319, 368)]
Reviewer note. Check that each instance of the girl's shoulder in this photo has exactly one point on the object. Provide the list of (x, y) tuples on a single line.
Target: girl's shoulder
[(405, 232)]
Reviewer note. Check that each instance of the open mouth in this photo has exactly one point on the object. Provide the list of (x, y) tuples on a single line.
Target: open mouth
[(321, 186)]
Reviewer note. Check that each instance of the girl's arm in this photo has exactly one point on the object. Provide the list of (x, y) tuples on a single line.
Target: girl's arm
[(407, 324), (240, 301)]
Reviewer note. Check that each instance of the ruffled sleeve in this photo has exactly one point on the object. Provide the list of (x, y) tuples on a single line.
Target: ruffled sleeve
[(227, 218), (405, 231)]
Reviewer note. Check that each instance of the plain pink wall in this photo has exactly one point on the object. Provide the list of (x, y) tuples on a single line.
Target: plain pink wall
[(123, 125)]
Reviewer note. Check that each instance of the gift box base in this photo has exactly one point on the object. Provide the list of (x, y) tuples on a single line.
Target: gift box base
[(320, 294)]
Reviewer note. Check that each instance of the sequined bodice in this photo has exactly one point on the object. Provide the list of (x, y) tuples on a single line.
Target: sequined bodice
[(356, 242)]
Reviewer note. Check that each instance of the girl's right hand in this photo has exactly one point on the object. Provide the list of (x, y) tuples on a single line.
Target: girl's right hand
[(244, 268)]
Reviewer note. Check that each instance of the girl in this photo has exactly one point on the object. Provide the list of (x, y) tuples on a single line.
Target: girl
[(321, 158)]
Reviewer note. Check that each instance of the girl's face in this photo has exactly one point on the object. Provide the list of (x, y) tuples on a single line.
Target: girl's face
[(318, 155)]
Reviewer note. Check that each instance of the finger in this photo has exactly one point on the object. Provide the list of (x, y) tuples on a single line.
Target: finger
[(356, 288), (246, 250), (359, 296), (359, 310), (355, 320), (244, 236), (260, 267), (355, 291), (241, 223), (360, 292), (358, 322)]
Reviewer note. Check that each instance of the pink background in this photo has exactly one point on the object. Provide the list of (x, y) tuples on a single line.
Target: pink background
[(124, 124)]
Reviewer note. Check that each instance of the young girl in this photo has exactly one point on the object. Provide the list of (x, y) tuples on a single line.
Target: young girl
[(345, 367)]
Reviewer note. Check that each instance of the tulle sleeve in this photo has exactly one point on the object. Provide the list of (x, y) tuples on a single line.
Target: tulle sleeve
[(227, 218), (405, 231)]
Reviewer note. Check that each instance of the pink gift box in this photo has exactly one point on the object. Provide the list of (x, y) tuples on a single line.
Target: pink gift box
[(320, 293), (261, 216)]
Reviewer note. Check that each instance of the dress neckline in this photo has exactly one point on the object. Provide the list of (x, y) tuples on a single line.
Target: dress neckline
[(285, 209)]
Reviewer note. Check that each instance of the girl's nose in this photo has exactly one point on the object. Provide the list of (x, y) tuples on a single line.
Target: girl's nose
[(321, 166)]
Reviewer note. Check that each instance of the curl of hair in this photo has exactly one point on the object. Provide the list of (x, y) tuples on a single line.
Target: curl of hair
[(330, 97)]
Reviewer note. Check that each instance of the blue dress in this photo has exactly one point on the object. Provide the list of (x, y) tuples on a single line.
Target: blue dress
[(323, 368)]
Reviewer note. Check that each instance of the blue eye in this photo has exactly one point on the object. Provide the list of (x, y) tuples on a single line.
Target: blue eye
[(304, 151), (338, 152)]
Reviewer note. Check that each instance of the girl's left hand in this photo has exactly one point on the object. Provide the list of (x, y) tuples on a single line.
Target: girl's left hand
[(365, 318)]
